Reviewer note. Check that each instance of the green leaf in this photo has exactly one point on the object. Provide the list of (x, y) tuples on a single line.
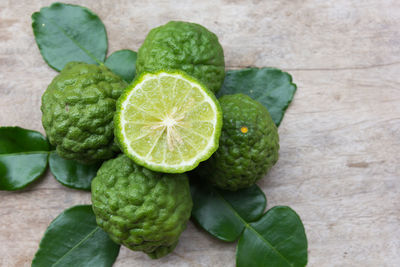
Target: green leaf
[(278, 239), (74, 239), (123, 63), (223, 213), (71, 173), (271, 87), (19, 170), (23, 157), (65, 33), (16, 140)]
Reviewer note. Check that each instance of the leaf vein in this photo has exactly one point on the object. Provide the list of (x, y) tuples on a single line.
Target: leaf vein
[(77, 245), (73, 40), (267, 242), (251, 228)]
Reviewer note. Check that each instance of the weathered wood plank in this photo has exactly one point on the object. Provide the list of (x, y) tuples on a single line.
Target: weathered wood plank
[(339, 164)]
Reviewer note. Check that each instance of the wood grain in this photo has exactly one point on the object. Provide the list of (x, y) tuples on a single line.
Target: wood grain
[(339, 164)]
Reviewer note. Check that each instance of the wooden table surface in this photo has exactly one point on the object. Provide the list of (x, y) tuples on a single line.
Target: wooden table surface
[(339, 164)]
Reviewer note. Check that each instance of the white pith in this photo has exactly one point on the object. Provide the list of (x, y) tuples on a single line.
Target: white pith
[(169, 123)]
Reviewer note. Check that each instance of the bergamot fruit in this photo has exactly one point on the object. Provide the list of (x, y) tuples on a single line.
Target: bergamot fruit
[(248, 146), (186, 46), (78, 109), (168, 122), (141, 209)]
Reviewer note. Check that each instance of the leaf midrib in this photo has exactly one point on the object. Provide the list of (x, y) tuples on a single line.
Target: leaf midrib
[(77, 245), (251, 228), (73, 40)]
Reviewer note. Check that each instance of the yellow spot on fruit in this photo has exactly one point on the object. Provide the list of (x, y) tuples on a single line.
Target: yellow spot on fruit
[(244, 129)]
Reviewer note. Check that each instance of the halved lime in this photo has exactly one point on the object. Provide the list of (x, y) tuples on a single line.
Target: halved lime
[(168, 122)]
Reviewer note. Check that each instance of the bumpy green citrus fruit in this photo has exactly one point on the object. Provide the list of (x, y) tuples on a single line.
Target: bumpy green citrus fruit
[(139, 208), (186, 46), (248, 145), (78, 109)]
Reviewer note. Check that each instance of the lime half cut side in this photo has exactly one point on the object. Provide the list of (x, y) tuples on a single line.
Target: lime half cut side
[(168, 122)]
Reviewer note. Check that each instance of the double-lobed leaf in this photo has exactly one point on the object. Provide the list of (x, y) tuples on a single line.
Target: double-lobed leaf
[(271, 87), (71, 173), (23, 157), (66, 32), (276, 238), (74, 239)]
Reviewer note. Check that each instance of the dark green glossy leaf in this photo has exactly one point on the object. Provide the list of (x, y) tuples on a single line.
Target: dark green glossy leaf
[(71, 173), (278, 239), (16, 140), (123, 63), (23, 157), (249, 203), (271, 87), (223, 213), (19, 170), (65, 33), (74, 239)]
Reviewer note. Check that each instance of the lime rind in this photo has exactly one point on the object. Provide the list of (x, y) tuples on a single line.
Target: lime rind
[(167, 165)]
